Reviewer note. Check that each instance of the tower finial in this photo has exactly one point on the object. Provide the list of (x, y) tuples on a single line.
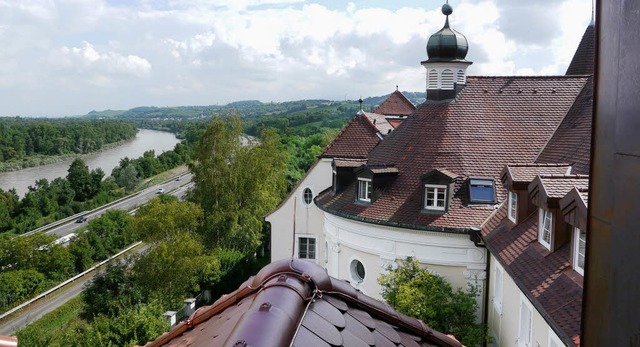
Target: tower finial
[(361, 112), (396, 87)]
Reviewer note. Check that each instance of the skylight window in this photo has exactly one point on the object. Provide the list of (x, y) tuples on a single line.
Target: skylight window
[(481, 190)]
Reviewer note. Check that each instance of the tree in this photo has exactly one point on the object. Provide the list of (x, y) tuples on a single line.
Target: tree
[(127, 177), (80, 179), (237, 184), (159, 221), (113, 230), (111, 291), (176, 262), (419, 293)]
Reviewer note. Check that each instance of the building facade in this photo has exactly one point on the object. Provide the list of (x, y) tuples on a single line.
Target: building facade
[(484, 184)]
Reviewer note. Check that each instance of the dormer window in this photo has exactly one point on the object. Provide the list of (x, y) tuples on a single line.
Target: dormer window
[(435, 197), (438, 186), (579, 248), (513, 206), (364, 189), (545, 228), (481, 190)]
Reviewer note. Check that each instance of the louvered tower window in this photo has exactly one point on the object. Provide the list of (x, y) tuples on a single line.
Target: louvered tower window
[(447, 79)]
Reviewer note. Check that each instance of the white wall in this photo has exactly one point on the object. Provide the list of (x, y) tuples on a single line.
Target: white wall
[(505, 327), (308, 219), (453, 256)]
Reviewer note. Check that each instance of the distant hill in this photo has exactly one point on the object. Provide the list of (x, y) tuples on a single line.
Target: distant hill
[(246, 108)]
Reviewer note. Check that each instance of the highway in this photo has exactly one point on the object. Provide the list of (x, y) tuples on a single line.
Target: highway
[(173, 186), (41, 307)]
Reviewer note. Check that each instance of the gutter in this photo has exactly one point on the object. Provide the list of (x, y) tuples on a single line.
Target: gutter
[(476, 238), (459, 231)]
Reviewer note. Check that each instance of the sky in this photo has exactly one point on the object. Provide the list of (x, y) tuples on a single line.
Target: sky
[(69, 57)]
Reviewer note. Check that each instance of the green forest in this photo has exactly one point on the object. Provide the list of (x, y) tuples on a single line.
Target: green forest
[(22, 139)]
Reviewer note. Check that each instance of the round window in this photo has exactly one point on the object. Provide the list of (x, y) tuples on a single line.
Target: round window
[(357, 271), (307, 196)]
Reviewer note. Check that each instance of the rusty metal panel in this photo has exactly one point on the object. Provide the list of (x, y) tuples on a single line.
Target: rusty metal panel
[(611, 312)]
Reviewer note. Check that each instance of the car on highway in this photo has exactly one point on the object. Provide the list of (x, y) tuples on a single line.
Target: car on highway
[(81, 219), (160, 191), (177, 178)]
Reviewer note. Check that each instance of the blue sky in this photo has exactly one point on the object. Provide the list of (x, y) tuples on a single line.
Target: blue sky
[(68, 57)]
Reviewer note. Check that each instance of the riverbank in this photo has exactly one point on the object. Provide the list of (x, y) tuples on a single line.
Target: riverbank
[(40, 160), (106, 159)]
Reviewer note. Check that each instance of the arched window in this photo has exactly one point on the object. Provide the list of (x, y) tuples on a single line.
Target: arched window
[(432, 79), (461, 78), (447, 79)]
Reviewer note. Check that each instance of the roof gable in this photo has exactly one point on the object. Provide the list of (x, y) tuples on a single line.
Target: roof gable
[(574, 207), (355, 140), (518, 176), (547, 190), (395, 105)]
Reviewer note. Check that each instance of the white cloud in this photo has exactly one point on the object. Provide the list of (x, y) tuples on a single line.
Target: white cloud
[(87, 59), (114, 54)]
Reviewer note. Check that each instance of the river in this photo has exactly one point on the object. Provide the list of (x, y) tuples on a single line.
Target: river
[(145, 140)]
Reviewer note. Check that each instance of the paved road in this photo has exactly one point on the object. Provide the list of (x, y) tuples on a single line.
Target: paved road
[(128, 204), (41, 307)]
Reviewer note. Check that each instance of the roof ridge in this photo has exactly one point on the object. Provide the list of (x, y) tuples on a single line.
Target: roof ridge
[(539, 165), (532, 77), (560, 176)]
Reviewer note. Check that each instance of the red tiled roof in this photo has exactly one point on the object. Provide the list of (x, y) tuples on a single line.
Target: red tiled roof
[(395, 105), (349, 162), (557, 186), (547, 279), (395, 122), (379, 122), (295, 303), (366, 129), (383, 170), (355, 140), (571, 142), (525, 173), (494, 121)]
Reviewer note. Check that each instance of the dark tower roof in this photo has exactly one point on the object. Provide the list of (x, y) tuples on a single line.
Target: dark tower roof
[(583, 61), (447, 44)]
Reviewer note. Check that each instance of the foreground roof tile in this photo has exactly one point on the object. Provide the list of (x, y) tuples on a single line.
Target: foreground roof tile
[(295, 303)]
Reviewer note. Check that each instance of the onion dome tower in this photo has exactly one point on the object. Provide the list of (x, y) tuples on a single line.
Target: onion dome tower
[(446, 65)]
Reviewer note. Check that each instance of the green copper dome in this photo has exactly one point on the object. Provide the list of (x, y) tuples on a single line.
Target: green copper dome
[(447, 44)]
